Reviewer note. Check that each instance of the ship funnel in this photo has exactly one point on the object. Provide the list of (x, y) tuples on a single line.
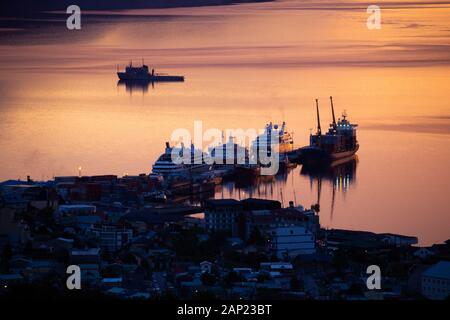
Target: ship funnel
[(332, 111), (319, 130)]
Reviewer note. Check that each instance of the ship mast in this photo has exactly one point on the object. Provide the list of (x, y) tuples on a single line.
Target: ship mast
[(319, 130), (333, 197), (319, 189), (332, 111)]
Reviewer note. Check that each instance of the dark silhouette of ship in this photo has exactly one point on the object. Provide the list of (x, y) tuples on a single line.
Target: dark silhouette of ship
[(341, 173), (339, 142), (135, 86), (143, 73)]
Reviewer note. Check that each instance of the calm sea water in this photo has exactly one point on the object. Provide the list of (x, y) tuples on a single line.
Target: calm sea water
[(245, 65)]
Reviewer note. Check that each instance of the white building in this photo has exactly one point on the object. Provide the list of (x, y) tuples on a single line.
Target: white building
[(292, 241), (206, 266), (398, 240), (276, 266), (221, 214), (113, 238), (436, 281), (423, 253)]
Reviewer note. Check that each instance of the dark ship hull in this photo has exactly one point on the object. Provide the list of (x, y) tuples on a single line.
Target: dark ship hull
[(123, 76), (314, 155), (247, 172), (338, 168)]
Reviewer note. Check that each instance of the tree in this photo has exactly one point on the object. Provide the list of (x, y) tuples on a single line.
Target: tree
[(204, 295), (46, 215), (296, 284), (6, 256), (263, 277), (256, 237), (356, 289), (232, 277), (340, 259), (208, 279)]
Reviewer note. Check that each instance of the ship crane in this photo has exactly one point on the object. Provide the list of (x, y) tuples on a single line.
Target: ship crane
[(332, 111), (319, 131)]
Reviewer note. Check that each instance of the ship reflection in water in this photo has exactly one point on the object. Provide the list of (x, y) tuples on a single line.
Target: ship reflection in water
[(135, 86), (341, 173), (304, 185), (265, 187)]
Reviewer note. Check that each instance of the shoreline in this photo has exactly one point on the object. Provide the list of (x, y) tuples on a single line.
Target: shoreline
[(33, 9)]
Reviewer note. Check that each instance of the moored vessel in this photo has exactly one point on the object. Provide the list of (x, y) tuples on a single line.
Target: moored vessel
[(282, 137), (168, 168), (338, 142), (228, 155)]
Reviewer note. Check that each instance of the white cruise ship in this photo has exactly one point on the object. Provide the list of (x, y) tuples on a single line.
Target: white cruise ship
[(166, 167), (285, 140), (228, 155)]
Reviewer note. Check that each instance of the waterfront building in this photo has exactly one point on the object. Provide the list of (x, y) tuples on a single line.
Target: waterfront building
[(291, 241), (436, 281), (221, 214)]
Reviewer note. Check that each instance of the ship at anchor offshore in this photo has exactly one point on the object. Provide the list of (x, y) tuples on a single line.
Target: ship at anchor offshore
[(142, 73), (337, 143)]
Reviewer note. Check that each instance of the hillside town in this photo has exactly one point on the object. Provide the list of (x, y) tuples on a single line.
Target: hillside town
[(130, 248)]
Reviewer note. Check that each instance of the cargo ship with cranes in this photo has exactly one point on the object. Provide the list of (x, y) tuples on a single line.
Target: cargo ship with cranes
[(338, 142)]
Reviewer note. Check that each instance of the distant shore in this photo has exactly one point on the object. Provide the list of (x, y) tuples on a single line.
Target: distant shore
[(30, 7)]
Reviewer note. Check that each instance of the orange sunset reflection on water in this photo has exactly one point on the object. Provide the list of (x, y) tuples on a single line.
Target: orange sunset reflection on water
[(245, 65)]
